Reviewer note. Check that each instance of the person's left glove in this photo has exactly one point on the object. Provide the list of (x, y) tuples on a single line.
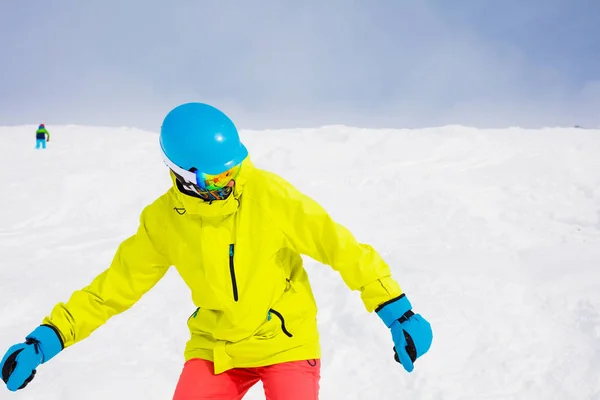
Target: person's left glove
[(18, 367), (411, 332)]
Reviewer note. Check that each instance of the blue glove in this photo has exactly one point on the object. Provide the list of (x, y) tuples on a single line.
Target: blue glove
[(18, 367), (411, 332)]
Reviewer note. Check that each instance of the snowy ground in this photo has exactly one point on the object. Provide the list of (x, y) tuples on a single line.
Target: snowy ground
[(494, 235)]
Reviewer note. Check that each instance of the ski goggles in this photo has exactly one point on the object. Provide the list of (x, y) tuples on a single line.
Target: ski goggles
[(206, 186)]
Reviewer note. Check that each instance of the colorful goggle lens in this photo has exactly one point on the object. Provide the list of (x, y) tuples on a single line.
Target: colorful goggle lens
[(213, 182), (206, 186), (216, 194)]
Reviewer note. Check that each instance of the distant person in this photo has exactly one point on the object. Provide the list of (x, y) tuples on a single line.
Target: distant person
[(41, 137), (235, 234)]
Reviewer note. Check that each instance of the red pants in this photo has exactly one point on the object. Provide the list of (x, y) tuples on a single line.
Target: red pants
[(298, 380)]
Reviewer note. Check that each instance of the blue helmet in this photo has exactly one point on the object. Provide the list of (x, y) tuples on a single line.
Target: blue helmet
[(199, 137)]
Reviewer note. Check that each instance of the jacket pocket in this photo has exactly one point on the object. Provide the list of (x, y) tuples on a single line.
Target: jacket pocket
[(232, 272), (278, 315)]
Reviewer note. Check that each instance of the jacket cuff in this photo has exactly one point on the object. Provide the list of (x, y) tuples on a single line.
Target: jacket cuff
[(392, 310), (379, 291)]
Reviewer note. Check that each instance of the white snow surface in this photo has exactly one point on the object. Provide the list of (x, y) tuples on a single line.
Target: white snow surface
[(493, 234)]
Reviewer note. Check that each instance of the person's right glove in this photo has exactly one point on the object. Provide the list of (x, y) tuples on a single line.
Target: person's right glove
[(18, 367), (411, 332)]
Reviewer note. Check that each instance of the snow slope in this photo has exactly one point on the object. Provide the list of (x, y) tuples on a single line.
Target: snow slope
[(494, 235)]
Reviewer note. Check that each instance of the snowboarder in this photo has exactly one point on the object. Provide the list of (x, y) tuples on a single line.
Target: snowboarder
[(41, 137), (235, 233)]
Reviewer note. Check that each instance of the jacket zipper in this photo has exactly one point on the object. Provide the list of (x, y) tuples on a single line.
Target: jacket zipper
[(194, 313), (232, 272), (278, 314)]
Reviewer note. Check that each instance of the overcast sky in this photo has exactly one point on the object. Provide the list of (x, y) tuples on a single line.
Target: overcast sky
[(282, 63)]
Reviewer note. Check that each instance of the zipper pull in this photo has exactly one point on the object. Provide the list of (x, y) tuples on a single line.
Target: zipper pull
[(269, 315)]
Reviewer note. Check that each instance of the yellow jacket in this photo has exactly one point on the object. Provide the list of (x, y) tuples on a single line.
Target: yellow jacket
[(241, 259)]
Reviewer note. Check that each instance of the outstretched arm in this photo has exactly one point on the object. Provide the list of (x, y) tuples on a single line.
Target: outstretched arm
[(310, 230), (138, 265)]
